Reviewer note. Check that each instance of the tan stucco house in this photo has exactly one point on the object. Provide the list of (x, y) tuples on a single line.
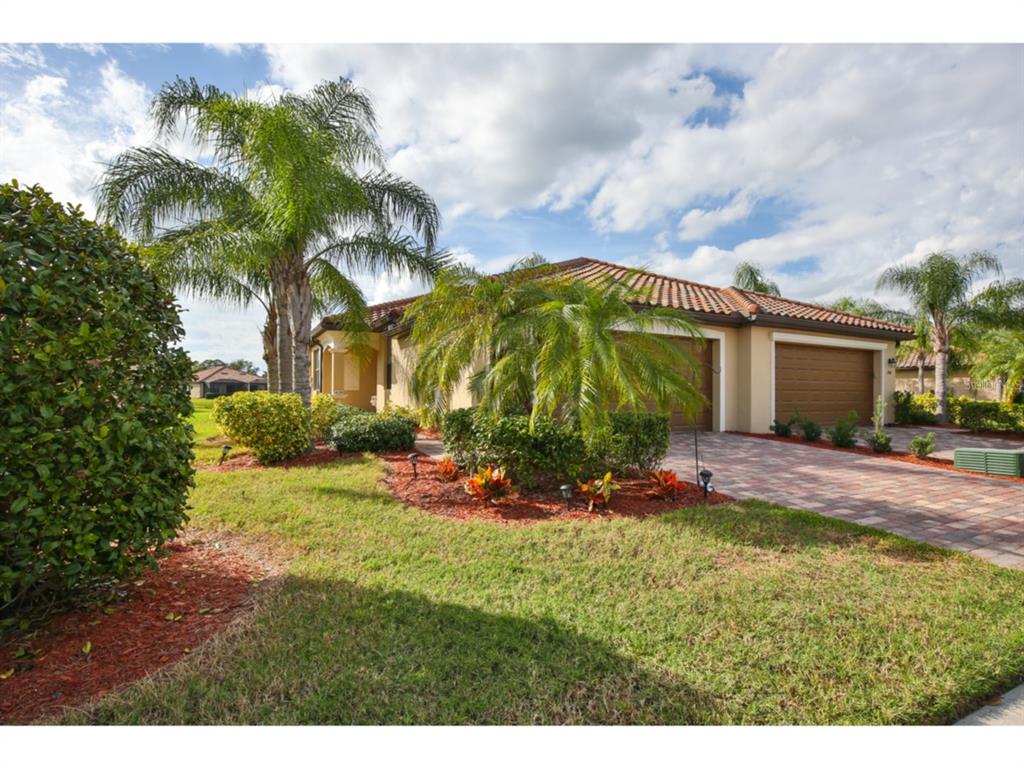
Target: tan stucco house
[(763, 356), (916, 374), (222, 380)]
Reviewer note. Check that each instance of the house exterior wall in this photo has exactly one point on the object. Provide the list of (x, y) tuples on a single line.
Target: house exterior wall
[(742, 377), (959, 383)]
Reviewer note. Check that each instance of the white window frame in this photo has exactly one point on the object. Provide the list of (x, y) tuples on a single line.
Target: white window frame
[(820, 341)]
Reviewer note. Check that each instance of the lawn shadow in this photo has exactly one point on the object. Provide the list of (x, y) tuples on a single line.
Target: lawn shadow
[(764, 525), (331, 652)]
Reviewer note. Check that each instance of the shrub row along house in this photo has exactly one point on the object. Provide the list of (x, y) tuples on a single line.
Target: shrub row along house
[(762, 356)]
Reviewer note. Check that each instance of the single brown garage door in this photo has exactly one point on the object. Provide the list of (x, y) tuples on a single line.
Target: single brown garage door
[(823, 383), (678, 419)]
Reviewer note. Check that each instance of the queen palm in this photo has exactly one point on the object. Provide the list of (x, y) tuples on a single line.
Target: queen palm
[(533, 341), (296, 186), (939, 289)]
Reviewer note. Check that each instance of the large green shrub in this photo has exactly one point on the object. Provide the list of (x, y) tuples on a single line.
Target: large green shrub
[(323, 412), (909, 408), (274, 427), (554, 452), (359, 431), (987, 415), (95, 444)]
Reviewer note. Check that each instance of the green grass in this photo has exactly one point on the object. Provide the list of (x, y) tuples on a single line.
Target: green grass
[(746, 613), (209, 438)]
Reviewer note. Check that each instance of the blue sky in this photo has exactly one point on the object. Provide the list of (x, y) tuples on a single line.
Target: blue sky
[(823, 163)]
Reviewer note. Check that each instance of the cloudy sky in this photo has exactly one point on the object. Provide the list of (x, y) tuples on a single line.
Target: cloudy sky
[(823, 163)]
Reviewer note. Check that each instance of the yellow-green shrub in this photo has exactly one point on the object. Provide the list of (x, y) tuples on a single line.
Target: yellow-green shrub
[(323, 411), (274, 427)]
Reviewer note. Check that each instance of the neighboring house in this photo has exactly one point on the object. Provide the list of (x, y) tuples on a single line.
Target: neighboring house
[(917, 374), (221, 380), (765, 356)]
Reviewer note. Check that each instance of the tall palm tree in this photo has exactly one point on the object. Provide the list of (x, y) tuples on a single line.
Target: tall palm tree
[(750, 276), (917, 349), (537, 342), (297, 184), (939, 288)]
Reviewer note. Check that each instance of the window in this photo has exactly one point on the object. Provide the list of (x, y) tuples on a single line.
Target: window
[(317, 380)]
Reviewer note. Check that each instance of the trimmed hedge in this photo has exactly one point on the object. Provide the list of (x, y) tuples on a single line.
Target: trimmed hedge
[(554, 453), (909, 408), (95, 443), (324, 413), (358, 431), (986, 415), (275, 427)]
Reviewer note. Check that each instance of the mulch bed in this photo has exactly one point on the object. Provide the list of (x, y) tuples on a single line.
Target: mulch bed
[(323, 453), (904, 456), (149, 622), (429, 493)]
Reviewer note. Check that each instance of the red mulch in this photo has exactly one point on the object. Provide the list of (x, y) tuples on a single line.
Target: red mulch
[(429, 493), (154, 620), (904, 456), (323, 453)]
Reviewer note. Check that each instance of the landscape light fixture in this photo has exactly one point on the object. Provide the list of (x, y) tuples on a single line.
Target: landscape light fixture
[(705, 481), (223, 454), (566, 494), (413, 458)]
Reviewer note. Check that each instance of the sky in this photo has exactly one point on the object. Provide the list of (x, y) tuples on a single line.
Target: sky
[(825, 164)]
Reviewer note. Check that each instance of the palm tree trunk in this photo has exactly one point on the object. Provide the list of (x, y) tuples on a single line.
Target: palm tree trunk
[(941, 359), (300, 307), (1000, 388), (920, 376), (279, 287), (270, 349)]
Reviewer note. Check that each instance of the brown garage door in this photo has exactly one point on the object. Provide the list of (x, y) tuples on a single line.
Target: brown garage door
[(823, 383), (678, 419)]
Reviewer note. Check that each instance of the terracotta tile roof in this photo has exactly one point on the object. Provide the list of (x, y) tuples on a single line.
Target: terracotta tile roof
[(733, 303), (914, 359), (223, 373)]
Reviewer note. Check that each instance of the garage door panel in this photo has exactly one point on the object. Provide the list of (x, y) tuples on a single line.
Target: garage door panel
[(823, 383), (703, 380)]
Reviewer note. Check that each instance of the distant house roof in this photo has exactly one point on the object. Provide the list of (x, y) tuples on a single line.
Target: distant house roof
[(223, 373), (915, 359), (727, 305)]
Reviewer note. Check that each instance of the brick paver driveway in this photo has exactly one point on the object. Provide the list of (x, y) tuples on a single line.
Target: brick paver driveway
[(950, 509)]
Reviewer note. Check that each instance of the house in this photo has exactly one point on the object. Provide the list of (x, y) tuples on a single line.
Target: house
[(916, 374), (221, 380), (764, 356)]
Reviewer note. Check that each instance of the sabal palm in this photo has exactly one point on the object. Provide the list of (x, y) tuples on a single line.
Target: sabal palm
[(532, 340), (939, 288), (297, 185)]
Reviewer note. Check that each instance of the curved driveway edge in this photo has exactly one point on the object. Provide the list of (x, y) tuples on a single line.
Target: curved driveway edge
[(979, 515)]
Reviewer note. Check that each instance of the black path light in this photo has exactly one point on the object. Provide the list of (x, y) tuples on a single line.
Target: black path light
[(705, 481), (703, 473), (413, 458), (566, 494)]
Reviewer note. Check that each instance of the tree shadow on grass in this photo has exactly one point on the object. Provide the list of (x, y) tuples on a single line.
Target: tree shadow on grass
[(764, 525), (325, 651)]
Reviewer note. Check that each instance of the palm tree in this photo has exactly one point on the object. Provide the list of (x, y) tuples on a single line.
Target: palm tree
[(939, 289), (751, 277), (870, 308), (546, 345), (1002, 360), (297, 186), (917, 349)]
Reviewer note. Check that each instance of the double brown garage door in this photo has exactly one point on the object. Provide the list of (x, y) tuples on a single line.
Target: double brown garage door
[(823, 383)]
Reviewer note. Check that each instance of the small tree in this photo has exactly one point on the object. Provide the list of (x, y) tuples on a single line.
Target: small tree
[(95, 446)]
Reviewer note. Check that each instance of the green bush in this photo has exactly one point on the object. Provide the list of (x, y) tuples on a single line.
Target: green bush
[(922, 445), (844, 433), (554, 452), (782, 428), (810, 429), (323, 413), (274, 427), (909, 408), (95, 443), (213, 395), (359, 431), (879, 440), (986, 415)]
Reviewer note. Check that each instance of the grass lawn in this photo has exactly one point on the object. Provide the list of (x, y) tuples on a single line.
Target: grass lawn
[(209, 439), (745, 613)]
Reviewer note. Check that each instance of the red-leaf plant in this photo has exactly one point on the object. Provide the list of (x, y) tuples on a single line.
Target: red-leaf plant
[(489, 484), (598, 491), (447, 470), (666, 484)]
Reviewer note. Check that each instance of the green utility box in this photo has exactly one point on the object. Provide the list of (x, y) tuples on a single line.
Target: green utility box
[(991, 461)]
